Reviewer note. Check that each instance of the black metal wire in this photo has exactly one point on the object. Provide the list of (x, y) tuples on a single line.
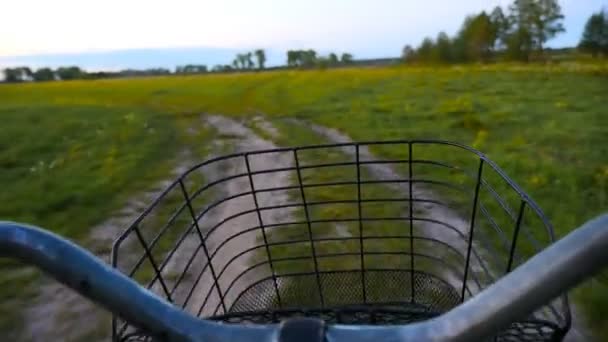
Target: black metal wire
[(328, 184), (309, 225), (520, 216), (261, 222), (359, 213), (423, 287), (472, 228), (411, 213), (442, 244), (204, 245), (152, 262), (354, 219)]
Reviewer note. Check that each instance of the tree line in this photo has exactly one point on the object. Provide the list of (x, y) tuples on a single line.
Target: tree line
[(310, 58), (295, 59), (517, 33), (248, 61), (23, 74)]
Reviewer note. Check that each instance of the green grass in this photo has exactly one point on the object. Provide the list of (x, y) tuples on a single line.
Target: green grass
[(67, 168), (62, 168), (547, 126)]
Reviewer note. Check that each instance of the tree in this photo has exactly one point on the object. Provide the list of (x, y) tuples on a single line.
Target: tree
[(26, 73), (186, 69), (333, 59), (346, 58), (548, 22), (500, 27), (308, 57), (301, 58), (260, 55), (249, 60), (443, 49), (483, 38), (242, 61), (70, 73), (425, 50), (12, 75), (291, 58), (460, 48), (519, 45), (476, 39), (145, 72), (18, 74), (520, 40), (323, 62), (44, 74), (95, 75), (222, 68), (595, 35), (534, 23), (408, 54)]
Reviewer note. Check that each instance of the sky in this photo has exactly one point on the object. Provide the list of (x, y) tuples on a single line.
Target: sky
[(114, 34)]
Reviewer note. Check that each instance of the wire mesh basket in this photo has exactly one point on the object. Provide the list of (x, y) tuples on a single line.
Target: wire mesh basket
[(333, 232)]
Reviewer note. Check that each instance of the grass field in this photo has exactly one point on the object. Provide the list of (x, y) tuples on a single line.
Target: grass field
[(73, 152)]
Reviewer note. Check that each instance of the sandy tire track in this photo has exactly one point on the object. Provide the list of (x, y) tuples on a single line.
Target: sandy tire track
[(244, 139), (60, 314), (578, 331), (422, 210)]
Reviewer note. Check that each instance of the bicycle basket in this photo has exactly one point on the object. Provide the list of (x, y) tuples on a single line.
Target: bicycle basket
[(333, 232)]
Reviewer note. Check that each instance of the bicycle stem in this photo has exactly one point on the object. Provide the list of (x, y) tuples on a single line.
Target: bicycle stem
[(578, 256)]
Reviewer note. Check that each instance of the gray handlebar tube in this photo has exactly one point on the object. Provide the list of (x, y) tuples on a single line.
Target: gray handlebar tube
[(83, 272), (556, 269), (542, 278)]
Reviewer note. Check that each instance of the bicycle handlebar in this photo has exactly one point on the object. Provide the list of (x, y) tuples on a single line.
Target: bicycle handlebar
[(85, 273), (542, 278)]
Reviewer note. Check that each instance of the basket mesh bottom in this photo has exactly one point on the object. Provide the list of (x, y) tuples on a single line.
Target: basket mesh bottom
[(389, 302), (346, 288)]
